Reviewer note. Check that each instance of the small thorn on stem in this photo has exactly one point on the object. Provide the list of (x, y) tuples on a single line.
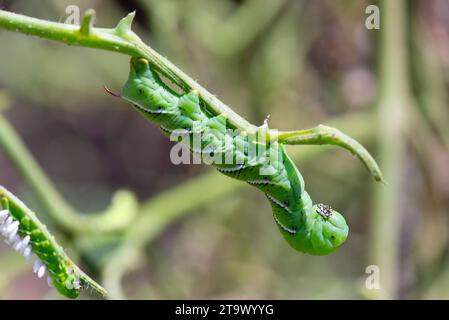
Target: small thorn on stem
[(124, 25), (88, 21), (112, 93)]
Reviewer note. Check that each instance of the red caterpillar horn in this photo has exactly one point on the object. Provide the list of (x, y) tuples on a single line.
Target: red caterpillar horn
[(112, 93)]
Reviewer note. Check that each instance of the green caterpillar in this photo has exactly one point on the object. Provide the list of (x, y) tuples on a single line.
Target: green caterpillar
[(28, 236), (312, 229)]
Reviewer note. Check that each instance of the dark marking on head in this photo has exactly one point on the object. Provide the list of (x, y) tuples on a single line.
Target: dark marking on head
[(324, 210)]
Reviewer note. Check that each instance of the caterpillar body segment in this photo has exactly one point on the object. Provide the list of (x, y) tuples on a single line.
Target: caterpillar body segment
[(30, 237), (312, 229)]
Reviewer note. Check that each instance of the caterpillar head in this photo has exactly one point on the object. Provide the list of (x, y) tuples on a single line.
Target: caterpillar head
[(328, 230), (142, 86)]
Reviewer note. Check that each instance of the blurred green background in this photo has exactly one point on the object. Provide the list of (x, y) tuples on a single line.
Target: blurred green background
[(303, 63)]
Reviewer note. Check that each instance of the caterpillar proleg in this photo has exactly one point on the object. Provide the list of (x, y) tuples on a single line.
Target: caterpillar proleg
[(312, 229), (23, 231)]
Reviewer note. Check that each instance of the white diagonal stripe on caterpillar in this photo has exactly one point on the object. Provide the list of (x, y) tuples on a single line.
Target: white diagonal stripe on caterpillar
[(165, 129), (279, 203), (231, 170), (180, 132), (151, 111), (291, 231), (257, 182)]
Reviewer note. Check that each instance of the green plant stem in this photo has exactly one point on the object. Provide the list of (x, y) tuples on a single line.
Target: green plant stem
[(119, 39), (122, 39), (394, 97), (163, 209), (112, 219), (321, 134)]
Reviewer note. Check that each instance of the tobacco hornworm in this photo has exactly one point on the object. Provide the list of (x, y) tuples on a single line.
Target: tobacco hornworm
[(27, 235), (312, 229)]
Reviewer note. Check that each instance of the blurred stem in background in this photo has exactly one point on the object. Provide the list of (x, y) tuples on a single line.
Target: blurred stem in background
[(393, 101), (432, 145), (271, 82), (116, 217), (164, 18), (230, 37), (432, 94)]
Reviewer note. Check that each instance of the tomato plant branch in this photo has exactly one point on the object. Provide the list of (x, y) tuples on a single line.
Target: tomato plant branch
[(112, 219), (122, 39)]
